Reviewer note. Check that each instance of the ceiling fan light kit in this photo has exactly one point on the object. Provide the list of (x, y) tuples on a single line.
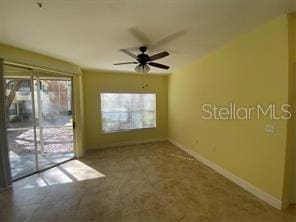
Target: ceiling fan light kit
[(144, 60), (142, 68)]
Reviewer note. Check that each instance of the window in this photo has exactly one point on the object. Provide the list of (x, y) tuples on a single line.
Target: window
[(127, 111)]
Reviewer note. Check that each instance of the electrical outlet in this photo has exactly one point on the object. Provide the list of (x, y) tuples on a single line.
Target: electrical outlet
[(213, 148), (270, 128)]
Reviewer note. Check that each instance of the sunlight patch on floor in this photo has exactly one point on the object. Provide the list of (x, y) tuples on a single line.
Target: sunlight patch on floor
[(72, 171), (81, 171)]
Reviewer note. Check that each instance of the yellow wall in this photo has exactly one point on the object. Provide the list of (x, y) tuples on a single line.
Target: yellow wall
[(249, 70), (290, 179), (293, 68), (96, 82), (79, 116), (30, 58), (34, 59)]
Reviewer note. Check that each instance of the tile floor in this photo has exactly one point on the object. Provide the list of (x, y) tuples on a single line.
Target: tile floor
[(149, 182)]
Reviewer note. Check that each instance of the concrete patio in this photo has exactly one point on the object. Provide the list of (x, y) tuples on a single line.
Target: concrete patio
[(57, 147)]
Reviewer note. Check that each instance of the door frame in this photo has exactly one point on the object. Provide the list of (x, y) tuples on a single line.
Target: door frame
[(5, 175)]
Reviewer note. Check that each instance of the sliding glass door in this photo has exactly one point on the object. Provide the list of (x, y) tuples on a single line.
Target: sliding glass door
[(55, 123), (39, 120)]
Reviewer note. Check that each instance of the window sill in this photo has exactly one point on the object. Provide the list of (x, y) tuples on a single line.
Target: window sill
[(127, 130)]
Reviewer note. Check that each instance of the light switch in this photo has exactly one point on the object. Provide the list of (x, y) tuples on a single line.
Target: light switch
[(270, 128)]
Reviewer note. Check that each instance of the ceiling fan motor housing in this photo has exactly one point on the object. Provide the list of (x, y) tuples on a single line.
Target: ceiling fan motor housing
[(143, 59)]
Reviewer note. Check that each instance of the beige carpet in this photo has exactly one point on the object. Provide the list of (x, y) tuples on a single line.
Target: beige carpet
[(149, 182)]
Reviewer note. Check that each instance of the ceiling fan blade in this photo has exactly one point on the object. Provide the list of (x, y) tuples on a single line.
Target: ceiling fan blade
[(144, 40), (125, 63), (159, 56), (158, 65), (129, 53), (168, 39)]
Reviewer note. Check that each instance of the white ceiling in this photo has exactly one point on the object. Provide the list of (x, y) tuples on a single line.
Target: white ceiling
[(91, 32)]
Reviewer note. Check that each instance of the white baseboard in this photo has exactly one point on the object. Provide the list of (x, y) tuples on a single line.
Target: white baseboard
[(127, 143), (273, 201)]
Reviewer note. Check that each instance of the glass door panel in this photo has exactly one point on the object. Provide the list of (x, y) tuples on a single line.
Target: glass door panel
[(20, 123), (55, 121)]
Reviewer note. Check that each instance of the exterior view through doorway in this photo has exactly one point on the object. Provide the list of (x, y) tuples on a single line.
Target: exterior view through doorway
[(39, 120)]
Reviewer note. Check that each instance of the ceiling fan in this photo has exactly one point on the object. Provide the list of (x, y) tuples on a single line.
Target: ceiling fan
[(144, 60)]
